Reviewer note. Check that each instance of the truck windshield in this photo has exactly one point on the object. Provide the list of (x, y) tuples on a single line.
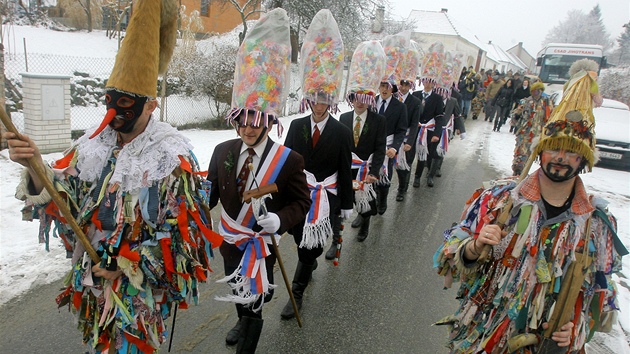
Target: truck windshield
[(555, 67)]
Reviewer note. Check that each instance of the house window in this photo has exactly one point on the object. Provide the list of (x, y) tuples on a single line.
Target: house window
[(205, 7)]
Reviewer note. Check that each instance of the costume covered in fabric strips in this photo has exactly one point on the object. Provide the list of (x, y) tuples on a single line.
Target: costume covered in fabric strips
[(145, 214), (514, 291)]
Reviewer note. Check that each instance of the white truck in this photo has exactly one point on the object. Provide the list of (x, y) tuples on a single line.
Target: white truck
[(555, 59)]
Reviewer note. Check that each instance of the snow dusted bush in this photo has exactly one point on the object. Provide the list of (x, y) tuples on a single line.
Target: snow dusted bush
[(613, 84)]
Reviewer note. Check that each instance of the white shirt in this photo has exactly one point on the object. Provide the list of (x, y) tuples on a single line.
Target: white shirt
[(321, 125), (426, 94), (258, 151), (404, 97), (381, 102)]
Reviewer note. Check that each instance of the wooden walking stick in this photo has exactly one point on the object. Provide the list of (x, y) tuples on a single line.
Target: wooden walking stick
[(40, 171), (258, 193)]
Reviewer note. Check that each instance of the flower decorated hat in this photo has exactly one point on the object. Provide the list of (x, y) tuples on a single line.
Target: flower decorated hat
[(433, 63), (395, 47), (366, 70), (411, 64), (321, 63), (571, 126), (263, 67)]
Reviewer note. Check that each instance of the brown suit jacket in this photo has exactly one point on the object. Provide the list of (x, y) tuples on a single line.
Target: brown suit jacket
[(290, 203)]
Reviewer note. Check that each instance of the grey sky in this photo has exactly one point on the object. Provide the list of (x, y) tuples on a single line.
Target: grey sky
[(507, 22)]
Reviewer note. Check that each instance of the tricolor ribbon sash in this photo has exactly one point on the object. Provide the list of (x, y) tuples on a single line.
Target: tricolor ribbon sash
[(422, 147), (442, 147), (383, 178), (249, 281), (317, 224), (364, 192), (401, 161)]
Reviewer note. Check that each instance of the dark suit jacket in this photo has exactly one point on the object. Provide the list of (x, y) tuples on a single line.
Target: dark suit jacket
[(414, 107), (433, 108), (333, 153), (452, 108), (396, 115), (372, 139), (290, 203)]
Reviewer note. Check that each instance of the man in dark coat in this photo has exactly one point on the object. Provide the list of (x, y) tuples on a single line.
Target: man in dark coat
[(432, 119), (414, 107), (370, 141), (328, 159), (396, 114)]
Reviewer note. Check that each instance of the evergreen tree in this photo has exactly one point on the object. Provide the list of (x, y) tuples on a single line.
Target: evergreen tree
[(579, 27), (623, 52)]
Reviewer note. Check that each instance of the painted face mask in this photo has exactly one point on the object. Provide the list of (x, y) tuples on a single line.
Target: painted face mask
[(123, 106)]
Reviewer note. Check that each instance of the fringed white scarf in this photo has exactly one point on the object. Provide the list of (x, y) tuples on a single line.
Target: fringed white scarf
[(317, 224), (363, 192), (422, 147)]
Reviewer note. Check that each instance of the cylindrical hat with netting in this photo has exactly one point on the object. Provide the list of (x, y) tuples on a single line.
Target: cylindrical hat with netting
[(321, 61), (366, 70), (263, 68)]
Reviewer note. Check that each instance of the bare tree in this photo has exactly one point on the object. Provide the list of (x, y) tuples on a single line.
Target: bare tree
[(246, 8), (85, 14)]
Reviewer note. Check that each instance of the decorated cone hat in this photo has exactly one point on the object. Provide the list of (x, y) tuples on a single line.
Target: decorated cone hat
[(411, 64), (321, 61), (433, 63), (571, 126), (395, 47), (366, 70), (261, 76), (144, 54)]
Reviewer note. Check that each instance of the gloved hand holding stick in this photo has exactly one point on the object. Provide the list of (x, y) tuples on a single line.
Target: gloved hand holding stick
[(37, 166)]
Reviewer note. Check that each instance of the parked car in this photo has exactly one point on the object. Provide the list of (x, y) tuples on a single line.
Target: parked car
[(612, 132)]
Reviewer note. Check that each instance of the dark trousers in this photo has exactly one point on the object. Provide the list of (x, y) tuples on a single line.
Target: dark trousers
[(433, 155), (308, 256)]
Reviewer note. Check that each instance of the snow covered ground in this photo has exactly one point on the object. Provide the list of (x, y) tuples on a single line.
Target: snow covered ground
[(24, 264)]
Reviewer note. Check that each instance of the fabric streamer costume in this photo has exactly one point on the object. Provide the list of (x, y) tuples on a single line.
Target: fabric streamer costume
[(141, 202), (509, 298)]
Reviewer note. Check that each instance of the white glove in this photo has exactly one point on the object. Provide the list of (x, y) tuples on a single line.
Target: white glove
[(462, 136), (271, 223), (346, 213)]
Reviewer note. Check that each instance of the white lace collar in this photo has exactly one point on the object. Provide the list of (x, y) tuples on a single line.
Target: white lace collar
[(148, 158)]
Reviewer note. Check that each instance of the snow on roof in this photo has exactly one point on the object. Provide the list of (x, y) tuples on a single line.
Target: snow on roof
[(438, 22)]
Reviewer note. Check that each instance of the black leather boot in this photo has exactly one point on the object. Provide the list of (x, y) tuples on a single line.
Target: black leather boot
[(381, 194), (403, 184), (250, 334), (436, 164), (301, 278), (330, 254), (419, 170), (357, 222), (235, 332), (363, 231)]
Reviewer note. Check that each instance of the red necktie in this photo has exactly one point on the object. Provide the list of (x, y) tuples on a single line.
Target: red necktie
[(243, 175), (315, 135)]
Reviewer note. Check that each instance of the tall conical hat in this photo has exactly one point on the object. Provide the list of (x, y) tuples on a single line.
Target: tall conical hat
[(411, 64), (571, 126), (144, 54), (263, 68), (321, 60), (366, 70), (395, 47), (146, 49), (433, 63)]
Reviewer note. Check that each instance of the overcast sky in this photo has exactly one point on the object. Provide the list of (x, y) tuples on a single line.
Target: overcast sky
[(507, 22)]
